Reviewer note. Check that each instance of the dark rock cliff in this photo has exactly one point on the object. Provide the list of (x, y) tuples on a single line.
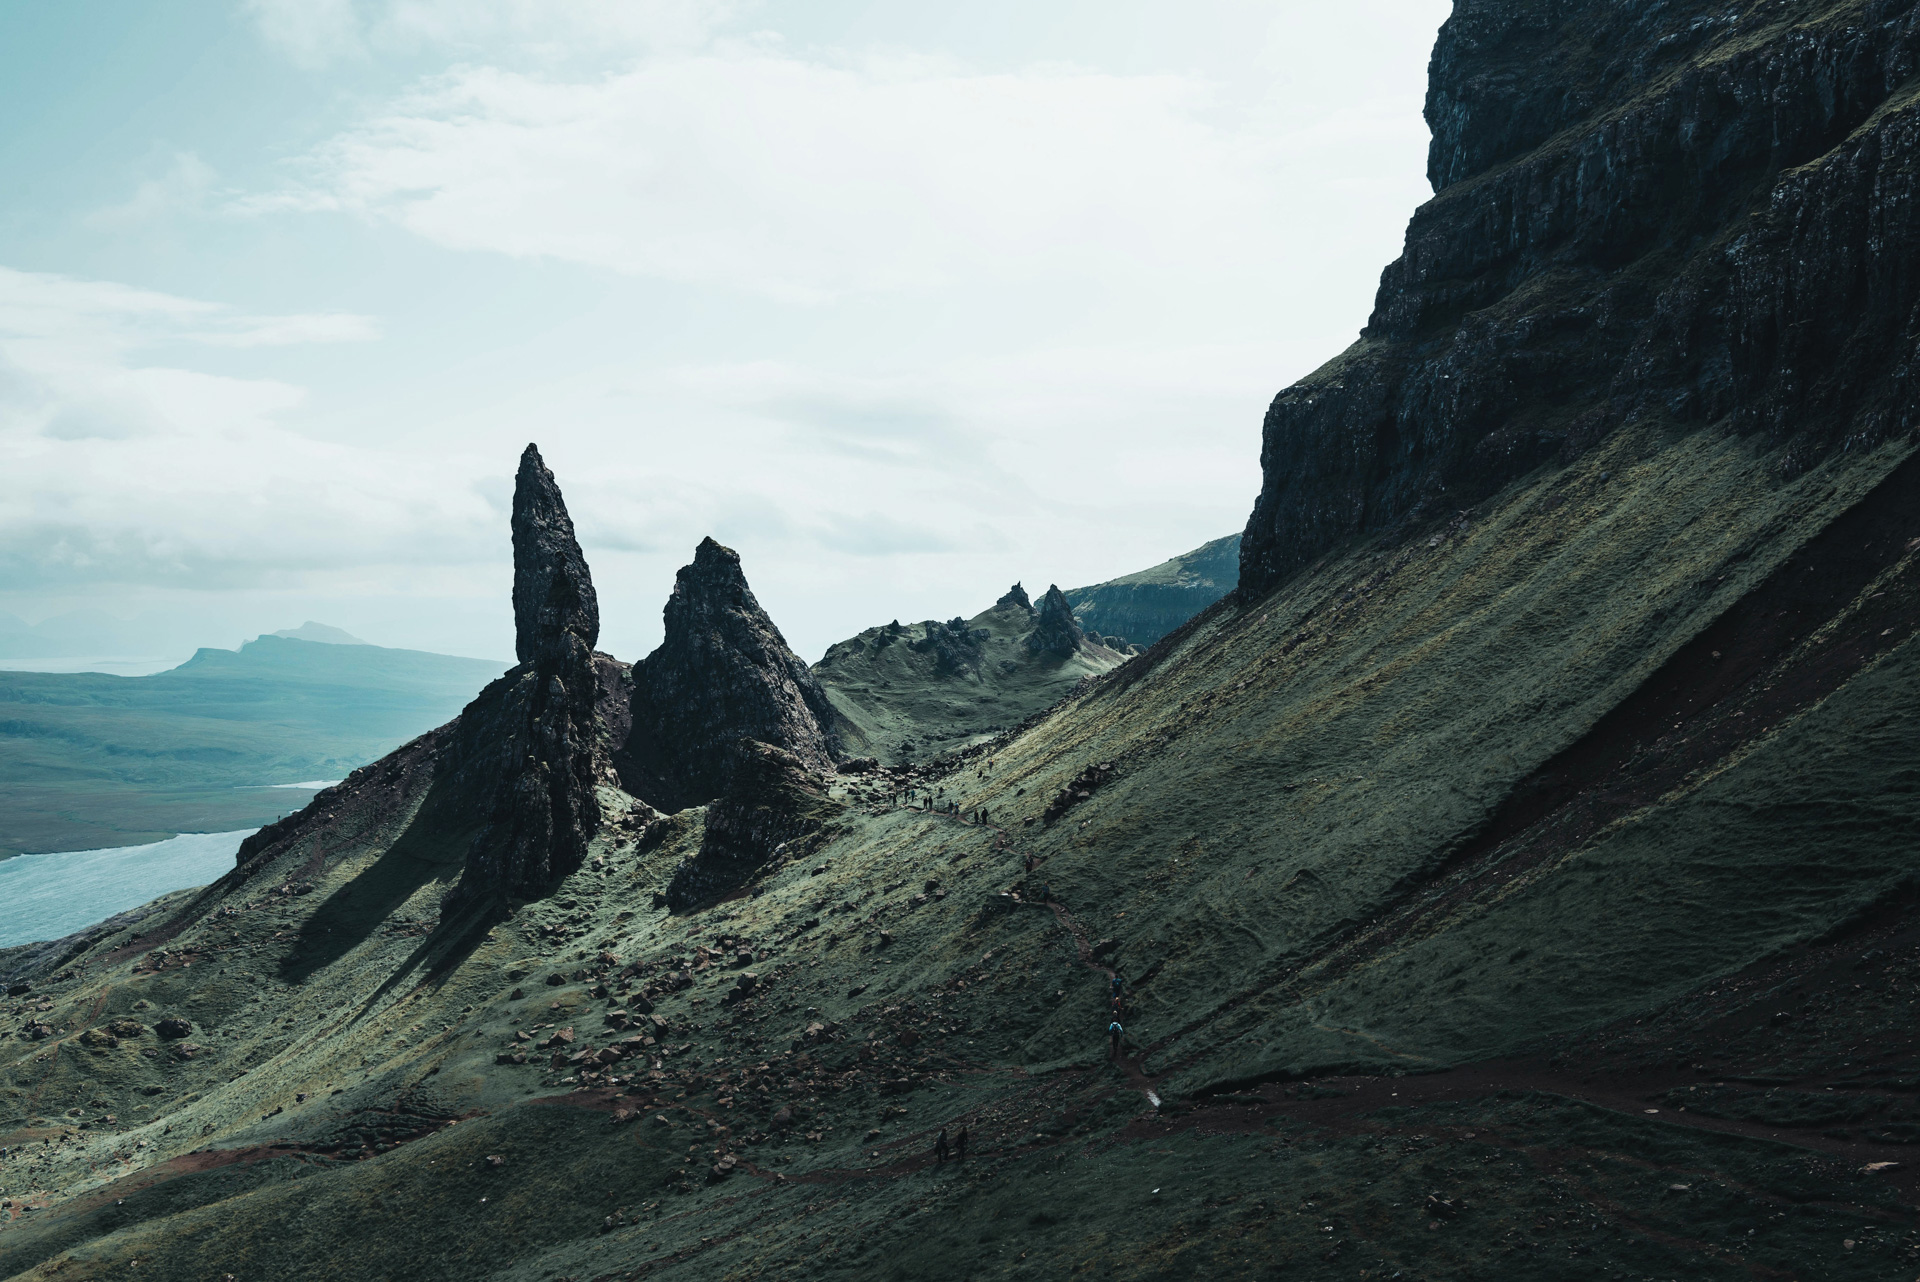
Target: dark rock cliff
[(530, 749), (1678, 215), (775, 809), (1143, 607), (722, 674)]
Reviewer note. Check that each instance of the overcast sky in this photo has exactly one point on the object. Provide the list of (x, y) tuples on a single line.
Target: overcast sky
[(904, 301)]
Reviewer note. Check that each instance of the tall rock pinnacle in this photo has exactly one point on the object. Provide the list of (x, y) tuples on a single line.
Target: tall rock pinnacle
[(1055, 630), (531, 747), (722, 674), (553, 600)]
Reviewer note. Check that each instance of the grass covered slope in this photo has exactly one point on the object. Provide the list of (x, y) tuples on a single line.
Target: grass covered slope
[(1484, 806), (909, 692), (90, 760)]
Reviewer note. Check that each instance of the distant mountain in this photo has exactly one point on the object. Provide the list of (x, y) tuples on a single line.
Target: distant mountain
[(311, 631), (90, 760), (909, 692), (1141, 608)]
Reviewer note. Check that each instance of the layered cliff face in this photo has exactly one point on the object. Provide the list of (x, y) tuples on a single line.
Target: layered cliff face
[(722, 674), (1673, 216), (1141, 608), (530, 750)]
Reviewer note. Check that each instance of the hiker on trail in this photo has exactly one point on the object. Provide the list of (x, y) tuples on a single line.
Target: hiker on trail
[(940, 1146), (1031, 862), (960, 1146), (1116, 988), (1113, 1040)]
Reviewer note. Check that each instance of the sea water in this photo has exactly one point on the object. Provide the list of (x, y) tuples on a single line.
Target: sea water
[(47, 896)]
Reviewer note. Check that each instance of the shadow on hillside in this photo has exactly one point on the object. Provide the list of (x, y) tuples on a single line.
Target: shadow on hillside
[(433, 846)]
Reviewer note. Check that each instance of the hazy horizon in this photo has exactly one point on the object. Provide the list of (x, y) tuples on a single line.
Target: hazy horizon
[(903, 304)]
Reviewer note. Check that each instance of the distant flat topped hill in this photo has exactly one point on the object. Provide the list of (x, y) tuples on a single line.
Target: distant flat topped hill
[(909, 692), (1141, 608), (90, 760), (311, 631)]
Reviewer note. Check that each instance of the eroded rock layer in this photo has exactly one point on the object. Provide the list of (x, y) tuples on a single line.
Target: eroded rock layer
[(1673, 215)]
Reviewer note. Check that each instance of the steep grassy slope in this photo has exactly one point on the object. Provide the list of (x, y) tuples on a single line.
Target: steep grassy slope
[(89, 760), (1305, 860), (1141, 608)]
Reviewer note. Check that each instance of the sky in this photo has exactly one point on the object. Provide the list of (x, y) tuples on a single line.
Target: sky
[(903, 301)]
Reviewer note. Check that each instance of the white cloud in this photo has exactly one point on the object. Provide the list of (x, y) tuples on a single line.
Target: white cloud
[(757, 171), (900, 327), (318, 33), (41, 308), (313, 33), (182, 188), (124, 470)]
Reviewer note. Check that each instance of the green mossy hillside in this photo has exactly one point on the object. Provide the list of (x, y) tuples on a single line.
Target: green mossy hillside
[(1374, 1022)]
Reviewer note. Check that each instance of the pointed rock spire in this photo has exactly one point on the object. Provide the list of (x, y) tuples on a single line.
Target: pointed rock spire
[(722, 674), (531, 748), (1055, 631), (553, 598)]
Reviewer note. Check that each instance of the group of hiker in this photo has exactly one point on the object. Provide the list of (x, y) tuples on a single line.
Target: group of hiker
[(925, 801)]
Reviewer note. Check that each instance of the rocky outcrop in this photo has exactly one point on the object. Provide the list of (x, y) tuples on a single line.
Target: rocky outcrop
[(531, 748), (722, 674), (1055, 631), (774, 809), (1678, 216), (911, 693)]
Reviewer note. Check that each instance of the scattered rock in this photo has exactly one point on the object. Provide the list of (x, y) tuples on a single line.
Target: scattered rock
[(173, 1028)]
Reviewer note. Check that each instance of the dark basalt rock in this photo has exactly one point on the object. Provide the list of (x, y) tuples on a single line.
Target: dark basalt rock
[(722, 674), (1016, 595), (1679, 215), (1055, 631), (956, 645), (775, 809), (531, 747), (556, 616)]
